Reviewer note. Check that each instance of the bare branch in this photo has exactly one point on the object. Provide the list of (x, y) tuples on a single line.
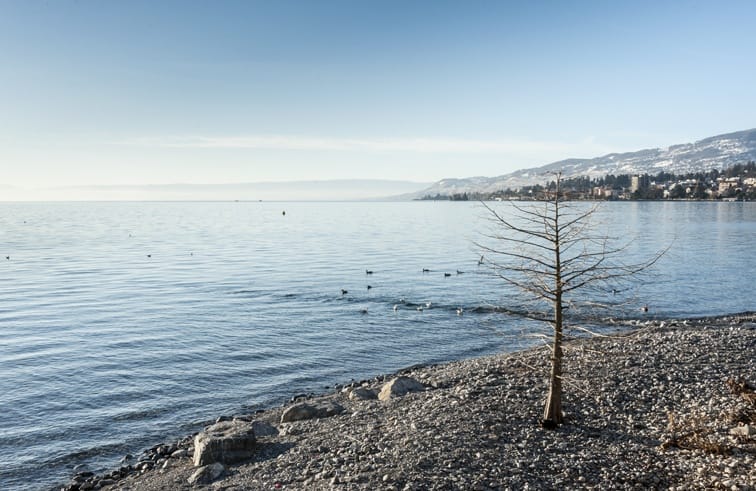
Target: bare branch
[(515, 228)]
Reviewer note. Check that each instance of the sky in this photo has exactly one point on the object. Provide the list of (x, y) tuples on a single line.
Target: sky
[(104, 92)]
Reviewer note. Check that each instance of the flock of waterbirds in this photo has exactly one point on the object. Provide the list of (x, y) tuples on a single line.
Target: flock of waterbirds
[(368, 272), (402, 301), (403, 304)]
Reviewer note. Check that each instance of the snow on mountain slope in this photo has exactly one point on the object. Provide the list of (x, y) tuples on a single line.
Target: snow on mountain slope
[(716, 152)]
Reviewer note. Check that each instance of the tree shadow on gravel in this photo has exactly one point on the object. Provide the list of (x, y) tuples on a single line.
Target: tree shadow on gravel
[(269, 451), (587, 429), (615, 435)]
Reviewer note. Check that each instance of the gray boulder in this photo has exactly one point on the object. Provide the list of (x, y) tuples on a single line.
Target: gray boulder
[(264, 429), (305, 410), (207, 474), (226, 442), (399, 387)]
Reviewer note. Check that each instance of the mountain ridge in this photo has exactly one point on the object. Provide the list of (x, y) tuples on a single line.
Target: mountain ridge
[(714, 152)]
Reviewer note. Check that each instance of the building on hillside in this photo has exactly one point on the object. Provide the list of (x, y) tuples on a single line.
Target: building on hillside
[(639, 183), (724, 185), (605, 192)]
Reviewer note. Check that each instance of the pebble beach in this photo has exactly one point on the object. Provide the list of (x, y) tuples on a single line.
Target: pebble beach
[(661, 405)]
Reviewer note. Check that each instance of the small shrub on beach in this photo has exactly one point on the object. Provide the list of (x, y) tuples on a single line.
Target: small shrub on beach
[(693, 432), (740, 387), (745, 414), (698, 431)]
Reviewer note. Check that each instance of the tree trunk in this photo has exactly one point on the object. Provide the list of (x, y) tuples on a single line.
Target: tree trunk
[(552, 414)]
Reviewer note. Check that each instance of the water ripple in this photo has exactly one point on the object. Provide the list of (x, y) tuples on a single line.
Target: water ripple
[(126, 324)]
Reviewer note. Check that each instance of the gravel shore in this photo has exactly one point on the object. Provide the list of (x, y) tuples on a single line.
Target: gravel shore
[(667, 405)]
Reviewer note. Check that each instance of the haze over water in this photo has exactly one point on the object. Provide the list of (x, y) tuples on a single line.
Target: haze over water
[(123, 325)]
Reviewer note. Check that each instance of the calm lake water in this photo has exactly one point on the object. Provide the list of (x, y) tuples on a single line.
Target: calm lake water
[(123, 325)]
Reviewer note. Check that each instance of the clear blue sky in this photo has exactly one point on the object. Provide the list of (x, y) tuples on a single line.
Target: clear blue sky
[(132, 92)]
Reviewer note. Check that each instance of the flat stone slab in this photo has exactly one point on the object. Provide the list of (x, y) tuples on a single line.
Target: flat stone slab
[(305, 410)]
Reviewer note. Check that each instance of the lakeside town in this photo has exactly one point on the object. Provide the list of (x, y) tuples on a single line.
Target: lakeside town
[(735, 183)]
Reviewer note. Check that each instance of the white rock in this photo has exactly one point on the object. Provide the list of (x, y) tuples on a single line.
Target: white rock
[(207, 474), (399, 387), (362, 393), (745, 430)]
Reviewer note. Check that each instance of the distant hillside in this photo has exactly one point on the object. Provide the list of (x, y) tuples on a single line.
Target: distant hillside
[(716, 152)]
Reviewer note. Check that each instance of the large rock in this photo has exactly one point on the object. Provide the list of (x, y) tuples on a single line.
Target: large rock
[(362, 393), (264, 429), (226, 442), (399, 387), (207, 474), (304, 410)]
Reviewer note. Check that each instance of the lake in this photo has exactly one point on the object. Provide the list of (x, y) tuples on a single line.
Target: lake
[(123, 325)]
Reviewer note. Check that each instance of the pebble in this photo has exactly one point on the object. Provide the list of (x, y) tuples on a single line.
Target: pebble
[(630, 402)]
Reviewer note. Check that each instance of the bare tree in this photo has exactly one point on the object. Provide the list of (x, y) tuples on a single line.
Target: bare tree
[(550, 250)]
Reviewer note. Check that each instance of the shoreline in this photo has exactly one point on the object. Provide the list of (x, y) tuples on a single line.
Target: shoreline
[(473, 425)]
